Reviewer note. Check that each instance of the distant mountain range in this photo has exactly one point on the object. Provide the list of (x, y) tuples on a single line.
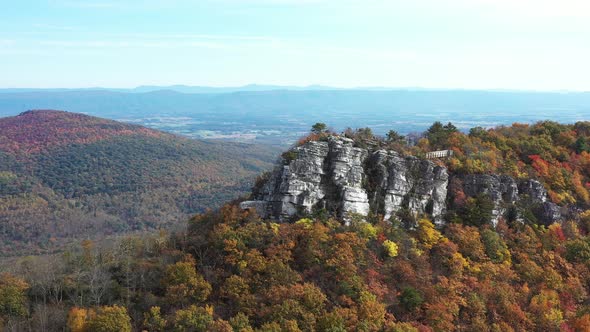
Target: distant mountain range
[(281, 116), (68, 176), (179, 88)]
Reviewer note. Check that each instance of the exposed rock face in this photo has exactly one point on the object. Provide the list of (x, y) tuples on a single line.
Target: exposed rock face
[(534, 190), (343, 179), (500, 189), (398, 182), (296, 186), (550, 213), (346, 176), (505, 190)]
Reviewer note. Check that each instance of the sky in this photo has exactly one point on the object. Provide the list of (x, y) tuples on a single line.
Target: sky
[(466, 44)]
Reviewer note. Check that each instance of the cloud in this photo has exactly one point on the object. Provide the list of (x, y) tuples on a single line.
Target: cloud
[(130, 44), (194, 36), (538, 8), (92, 4), (45, 26), (143, 40), (375, 54)]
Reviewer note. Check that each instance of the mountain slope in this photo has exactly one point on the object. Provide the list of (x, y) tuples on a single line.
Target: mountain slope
[(390, 270), (66, 175)]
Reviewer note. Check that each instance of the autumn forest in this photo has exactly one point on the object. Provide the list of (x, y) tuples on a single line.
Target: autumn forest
[(230, 270)]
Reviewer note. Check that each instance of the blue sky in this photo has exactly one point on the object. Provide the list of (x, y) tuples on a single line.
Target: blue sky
[(511, 44)]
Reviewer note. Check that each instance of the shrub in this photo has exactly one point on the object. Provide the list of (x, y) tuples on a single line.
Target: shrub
[(410, 299)]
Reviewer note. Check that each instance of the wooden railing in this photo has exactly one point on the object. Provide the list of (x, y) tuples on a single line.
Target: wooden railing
[(439, 154)]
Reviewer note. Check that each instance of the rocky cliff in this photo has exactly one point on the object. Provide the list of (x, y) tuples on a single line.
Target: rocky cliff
[(345, 180), (505, 191)]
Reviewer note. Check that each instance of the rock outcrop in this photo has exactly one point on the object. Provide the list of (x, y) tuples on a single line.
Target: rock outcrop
[(504, 190), (345, 180), (407, 182), (534, 190)]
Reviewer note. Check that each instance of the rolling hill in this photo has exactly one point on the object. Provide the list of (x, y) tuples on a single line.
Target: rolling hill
[(67, 176)]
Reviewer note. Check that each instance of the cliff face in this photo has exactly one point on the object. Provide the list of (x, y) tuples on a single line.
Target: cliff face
[(345, 180), (407, 182), (504, 190)]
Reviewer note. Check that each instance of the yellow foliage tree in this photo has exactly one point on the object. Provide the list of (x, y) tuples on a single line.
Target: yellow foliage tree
[(193, 318), (153, 320), (371, 313), (391, 248), (305, 222), (78, 319), (13, 298), (183, 283), (110, 319), (428, 235), (545, 306)]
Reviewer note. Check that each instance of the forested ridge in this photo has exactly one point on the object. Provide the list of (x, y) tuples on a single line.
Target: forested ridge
[(233, 271), (38, 130), (556, 154), (67, 176)]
